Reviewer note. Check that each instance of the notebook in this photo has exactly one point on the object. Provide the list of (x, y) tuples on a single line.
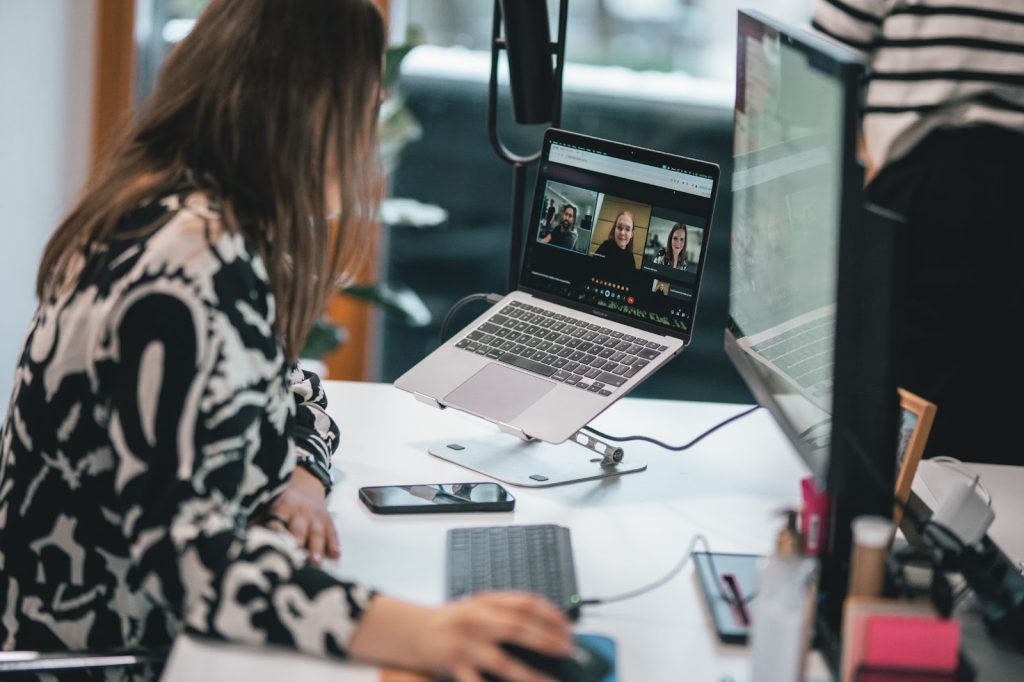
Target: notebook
[(607, 293)]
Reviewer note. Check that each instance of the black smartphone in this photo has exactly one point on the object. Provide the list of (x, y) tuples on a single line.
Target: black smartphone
[(430, 498)]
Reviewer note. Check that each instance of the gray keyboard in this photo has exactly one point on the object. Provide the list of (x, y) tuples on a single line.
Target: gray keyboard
[(532, 558), (560, 347)]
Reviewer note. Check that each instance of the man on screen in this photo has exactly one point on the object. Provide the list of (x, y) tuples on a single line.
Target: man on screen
[(564, 233)]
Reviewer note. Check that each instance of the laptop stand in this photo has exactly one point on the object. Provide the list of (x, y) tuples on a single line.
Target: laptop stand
[(536, 464)]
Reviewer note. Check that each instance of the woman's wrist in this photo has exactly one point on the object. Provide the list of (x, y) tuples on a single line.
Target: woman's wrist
[(308, 463), (390, 632)]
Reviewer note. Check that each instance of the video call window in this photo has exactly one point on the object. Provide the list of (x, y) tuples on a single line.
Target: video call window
[(673, 244), (567, 217), (620, 233)]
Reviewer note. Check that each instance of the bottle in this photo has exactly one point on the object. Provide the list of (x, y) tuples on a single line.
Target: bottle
[(782, 611)]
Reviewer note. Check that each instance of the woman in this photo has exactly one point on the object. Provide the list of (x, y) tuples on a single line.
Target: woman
[(148, 478), (674, 255), (617, 249)]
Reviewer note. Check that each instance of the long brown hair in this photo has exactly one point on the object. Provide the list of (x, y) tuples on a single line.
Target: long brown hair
[(252, 107)]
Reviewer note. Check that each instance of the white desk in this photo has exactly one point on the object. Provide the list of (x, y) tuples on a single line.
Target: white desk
[(626, 531)]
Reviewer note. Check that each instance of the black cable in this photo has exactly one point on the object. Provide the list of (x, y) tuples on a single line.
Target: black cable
[(673, 448), (490, 298)]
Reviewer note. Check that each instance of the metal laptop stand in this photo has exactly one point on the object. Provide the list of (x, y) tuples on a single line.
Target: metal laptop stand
[(536, 464)]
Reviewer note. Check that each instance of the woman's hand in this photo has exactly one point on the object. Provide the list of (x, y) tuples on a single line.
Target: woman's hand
[(463, 638), (302, 510)]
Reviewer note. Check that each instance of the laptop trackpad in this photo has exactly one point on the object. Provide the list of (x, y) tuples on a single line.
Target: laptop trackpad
[(498, 392)]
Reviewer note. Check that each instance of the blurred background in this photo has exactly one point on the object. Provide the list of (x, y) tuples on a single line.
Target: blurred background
[(654, 73)]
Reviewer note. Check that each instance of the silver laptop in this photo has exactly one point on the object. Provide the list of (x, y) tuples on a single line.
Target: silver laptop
[(607, 291)]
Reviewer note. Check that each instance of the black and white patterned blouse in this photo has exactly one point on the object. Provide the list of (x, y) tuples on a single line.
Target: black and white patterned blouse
[(153, 418)]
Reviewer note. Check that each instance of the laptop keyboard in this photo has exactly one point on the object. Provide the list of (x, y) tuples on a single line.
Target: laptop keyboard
[(804, 353), (563, 348), (535, 558)]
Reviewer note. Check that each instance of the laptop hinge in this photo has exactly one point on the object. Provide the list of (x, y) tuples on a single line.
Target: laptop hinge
[(513, 431), (428, 400)]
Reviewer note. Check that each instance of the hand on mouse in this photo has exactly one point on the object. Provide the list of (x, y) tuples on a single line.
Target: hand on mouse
[(463, 638)]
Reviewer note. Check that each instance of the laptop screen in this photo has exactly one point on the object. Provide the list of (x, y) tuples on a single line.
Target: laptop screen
[(620, 231)]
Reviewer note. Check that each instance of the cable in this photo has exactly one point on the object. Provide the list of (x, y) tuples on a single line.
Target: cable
[(490, 298), (657, 583), (673, 448)]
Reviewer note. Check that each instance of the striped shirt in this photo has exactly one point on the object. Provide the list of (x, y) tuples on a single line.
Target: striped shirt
[(931, 64)]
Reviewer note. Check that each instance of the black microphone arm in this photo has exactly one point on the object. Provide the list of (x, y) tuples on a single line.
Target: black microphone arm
[(535, 78)]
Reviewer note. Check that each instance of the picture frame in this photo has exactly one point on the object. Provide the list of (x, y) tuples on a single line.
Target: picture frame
[(916, 418)]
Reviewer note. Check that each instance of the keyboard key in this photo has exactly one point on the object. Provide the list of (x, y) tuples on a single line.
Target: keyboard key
[(488, 328), (648, 353), (526, 363), (611, 379), (605, 391)]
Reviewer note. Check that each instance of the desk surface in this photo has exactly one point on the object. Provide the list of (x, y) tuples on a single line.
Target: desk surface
[(626, 531)]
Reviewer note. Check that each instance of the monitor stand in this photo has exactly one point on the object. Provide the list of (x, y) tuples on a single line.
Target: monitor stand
[(536, 464)]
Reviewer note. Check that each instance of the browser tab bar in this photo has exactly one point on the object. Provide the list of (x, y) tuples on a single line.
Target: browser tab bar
[(631, 170)]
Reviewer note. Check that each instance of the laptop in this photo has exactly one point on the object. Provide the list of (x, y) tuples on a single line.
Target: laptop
[(601, 303), (800, 350)]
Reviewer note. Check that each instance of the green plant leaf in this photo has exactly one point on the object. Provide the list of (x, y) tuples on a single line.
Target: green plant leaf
[(395, 299), (323, 338), (394, 55)]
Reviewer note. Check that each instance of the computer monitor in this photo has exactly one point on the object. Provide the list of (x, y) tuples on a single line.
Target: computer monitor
[(812, 289)]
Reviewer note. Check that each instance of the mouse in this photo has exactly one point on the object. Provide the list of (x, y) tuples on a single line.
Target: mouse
[(584, 665)]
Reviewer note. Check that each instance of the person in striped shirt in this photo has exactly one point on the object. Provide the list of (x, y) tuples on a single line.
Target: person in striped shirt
[(943, 136)]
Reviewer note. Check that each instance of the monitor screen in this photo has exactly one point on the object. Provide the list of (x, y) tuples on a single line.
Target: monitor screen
[(788, 183), (813, 289), (620, 231)]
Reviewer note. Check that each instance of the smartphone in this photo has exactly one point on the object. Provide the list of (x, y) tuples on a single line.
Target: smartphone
[(430, 498)]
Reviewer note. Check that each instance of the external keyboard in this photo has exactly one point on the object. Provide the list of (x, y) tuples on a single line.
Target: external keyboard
[(560, 347), (532, 558)]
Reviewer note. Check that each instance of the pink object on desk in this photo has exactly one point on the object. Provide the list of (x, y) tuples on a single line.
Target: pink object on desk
[(813, 516), (912, 642)]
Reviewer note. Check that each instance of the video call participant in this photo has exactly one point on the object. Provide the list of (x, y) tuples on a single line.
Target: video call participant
[(617, 250), (563, 234), (674, 254), (156, 458)]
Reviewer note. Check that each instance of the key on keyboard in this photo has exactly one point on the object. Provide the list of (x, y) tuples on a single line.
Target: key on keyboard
[(532, 558)]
